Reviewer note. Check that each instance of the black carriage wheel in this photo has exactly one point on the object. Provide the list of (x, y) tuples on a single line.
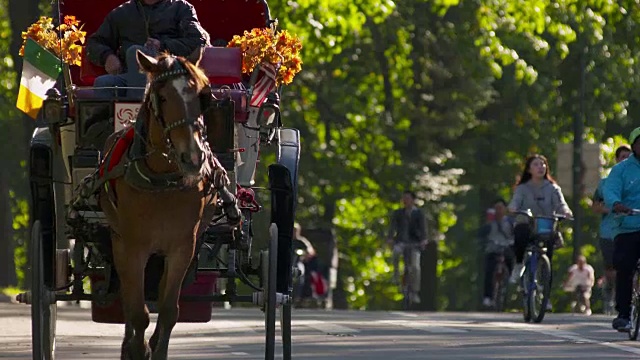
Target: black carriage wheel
[(285, 325), (43, 312), (541, 298), (270, 293), (285, 314)]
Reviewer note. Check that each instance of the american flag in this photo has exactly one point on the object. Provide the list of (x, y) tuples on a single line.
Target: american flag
[(265, 85)]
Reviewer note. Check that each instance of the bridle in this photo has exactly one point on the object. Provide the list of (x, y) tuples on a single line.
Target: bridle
[(153, 103)]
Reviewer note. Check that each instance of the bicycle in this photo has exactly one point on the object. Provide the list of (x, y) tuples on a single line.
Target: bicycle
[(635, 304), (407, 250), (500, 278), (579, 302), (635, 296), (608, 295), (535, 280)]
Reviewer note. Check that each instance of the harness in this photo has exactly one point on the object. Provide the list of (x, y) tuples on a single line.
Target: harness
[(135, 171)]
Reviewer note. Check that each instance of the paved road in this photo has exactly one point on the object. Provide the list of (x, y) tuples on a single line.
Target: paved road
[(239, 334)]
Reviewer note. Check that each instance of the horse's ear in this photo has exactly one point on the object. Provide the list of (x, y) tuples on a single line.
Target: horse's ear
[(146, 62), (196, 56)]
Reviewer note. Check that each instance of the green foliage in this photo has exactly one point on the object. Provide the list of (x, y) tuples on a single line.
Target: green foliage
[(8, 86), (386, 105)]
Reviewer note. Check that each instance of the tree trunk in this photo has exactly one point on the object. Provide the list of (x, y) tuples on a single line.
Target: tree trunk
[(22, 13), (429, 271), (419, 88), (7, 245)]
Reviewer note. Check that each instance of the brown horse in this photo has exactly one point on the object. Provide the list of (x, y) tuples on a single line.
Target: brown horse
[(158, 204)]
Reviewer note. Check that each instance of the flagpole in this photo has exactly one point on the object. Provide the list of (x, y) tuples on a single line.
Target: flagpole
[(66, 71)]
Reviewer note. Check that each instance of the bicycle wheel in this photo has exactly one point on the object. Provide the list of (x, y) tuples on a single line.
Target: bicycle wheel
[(539, 297), (499, 287), (406, 300), (635, 307), (525, 282)]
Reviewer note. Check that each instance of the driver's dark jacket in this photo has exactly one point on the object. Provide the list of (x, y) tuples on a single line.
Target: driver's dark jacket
[(173, 22)]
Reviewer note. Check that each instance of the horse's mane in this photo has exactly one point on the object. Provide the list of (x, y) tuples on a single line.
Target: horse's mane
[(197, 75)]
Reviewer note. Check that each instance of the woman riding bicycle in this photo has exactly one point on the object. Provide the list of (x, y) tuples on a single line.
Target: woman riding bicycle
[(538, 192)]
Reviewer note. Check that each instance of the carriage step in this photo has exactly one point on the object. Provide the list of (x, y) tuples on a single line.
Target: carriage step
[(281, 299), (220, 233), (227, 160)]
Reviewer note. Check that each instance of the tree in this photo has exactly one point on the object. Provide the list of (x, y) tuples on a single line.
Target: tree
[(15, 130)]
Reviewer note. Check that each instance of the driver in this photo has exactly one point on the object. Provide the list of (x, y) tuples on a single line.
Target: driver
[(152, 26)]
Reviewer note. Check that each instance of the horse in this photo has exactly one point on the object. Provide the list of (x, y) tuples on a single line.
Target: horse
[(162, 201)]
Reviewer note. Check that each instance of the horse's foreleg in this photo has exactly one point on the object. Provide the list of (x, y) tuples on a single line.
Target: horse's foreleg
[(130, 267), (176, 265)]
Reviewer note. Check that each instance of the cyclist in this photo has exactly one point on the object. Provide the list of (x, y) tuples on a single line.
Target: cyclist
[(621, 194), (499, 239), (408, 236), (538, 192), (581, 277), (606, 230)]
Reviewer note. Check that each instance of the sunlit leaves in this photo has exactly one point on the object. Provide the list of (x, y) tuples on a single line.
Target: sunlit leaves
[(326, 26)]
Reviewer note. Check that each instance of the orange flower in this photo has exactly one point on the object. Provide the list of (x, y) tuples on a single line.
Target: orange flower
[(265, 45), (68, 46)]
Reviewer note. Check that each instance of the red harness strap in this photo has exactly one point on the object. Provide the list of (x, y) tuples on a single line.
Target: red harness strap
[(121, 146)]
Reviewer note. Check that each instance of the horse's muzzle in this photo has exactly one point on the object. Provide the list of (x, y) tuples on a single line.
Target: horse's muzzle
[(191, 163)]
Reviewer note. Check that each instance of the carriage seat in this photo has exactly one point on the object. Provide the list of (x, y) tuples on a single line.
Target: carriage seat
[(88, 71), (223, 67)]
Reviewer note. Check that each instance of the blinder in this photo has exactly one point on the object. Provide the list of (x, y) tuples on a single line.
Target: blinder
[(205, 98)]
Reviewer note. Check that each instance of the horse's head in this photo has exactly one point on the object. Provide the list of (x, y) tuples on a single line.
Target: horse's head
[(177, 93)]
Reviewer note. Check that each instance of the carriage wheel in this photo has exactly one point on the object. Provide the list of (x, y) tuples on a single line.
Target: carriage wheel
[(285, 326), (43, 311), (269, 271)]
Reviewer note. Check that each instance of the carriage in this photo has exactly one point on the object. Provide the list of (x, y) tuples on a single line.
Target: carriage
[(67, 151)]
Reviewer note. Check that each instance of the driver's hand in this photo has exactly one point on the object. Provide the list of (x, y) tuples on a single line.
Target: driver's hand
[(621, 209), (113, 65), (153, 44)]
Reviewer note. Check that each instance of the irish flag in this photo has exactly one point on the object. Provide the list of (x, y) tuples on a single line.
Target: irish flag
[(40, 69)]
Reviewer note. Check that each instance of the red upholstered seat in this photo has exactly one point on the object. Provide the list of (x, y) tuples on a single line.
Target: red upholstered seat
[(221, 18), (222, 65), (88, 72)]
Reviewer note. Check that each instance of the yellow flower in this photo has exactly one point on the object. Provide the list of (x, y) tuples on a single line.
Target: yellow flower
[(67, 47), (266, 45)]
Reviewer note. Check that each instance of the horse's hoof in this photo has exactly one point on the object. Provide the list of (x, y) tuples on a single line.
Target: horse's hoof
[(147, 351), (158, 356), (128, 354)]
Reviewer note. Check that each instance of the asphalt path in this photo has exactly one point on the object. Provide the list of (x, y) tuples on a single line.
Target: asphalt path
[(239, 334)]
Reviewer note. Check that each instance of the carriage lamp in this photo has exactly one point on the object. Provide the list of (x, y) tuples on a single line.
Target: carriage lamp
[(53, 107), (268, 118)]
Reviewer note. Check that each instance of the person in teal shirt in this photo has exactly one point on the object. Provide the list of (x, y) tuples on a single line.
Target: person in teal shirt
[(606, 233), (622, 194)]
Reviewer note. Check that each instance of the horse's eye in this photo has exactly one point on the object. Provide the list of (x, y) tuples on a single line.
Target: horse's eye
[(162, 98)]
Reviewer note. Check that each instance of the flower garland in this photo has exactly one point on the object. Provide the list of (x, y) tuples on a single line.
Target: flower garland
[(265, 45), (68, 48)]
